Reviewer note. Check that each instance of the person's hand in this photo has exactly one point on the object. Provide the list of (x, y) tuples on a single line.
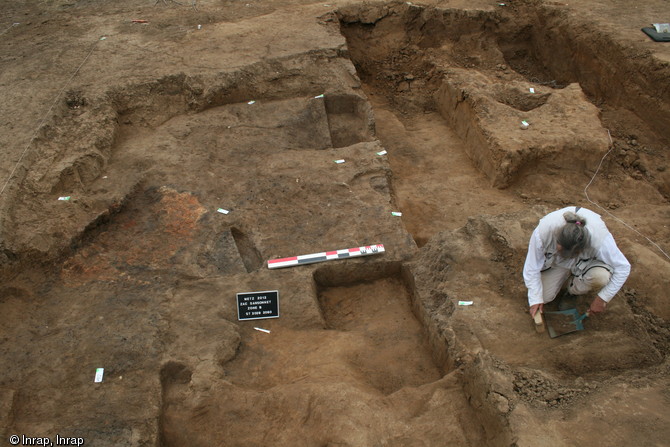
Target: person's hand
[(597, 306), (535, 307)]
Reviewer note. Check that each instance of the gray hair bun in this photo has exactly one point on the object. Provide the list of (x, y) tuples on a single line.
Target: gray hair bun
[(573, 236), (573, 218)]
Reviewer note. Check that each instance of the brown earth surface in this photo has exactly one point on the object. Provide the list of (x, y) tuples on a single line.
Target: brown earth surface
[(152, 115)]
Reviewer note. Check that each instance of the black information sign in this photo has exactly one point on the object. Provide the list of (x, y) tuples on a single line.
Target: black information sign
[(257, 305)]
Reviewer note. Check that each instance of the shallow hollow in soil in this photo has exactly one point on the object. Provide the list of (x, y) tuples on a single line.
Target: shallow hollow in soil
[(393, 352), (374, 342), (365, 376)]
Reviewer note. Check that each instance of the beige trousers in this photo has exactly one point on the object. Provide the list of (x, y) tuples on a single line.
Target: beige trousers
[(554, 278)]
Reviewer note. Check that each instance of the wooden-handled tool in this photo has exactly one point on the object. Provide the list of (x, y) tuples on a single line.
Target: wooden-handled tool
[(539, 322)]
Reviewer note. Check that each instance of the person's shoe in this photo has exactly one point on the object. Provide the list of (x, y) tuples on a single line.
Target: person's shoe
[(567, 301)]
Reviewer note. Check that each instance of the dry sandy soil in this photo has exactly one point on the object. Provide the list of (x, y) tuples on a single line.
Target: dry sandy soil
[(151, 115)]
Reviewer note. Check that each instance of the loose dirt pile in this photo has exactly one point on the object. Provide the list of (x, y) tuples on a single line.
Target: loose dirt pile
[(158, 155)]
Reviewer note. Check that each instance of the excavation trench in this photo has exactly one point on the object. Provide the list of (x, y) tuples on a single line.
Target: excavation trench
[(191, 184), (518, 86), (375, 342), (363, 371)]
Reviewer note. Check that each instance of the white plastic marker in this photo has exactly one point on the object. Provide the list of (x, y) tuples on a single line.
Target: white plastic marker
[(98, 374), (65, 198), (532, 90), (396, 213), (382, 152), (524, 124), (319, 96), (466, 303), (326, 256), (262, 330), (251, 102), (222, 211), (339, 162)]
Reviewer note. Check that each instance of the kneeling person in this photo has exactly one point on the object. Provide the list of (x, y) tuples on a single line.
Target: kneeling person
[(573, 247)]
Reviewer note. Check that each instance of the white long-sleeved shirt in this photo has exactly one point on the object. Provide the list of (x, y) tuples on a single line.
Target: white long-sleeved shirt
[(542, 253)]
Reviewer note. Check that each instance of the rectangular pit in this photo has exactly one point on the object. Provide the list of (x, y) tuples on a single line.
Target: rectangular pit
[(390, 350)]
